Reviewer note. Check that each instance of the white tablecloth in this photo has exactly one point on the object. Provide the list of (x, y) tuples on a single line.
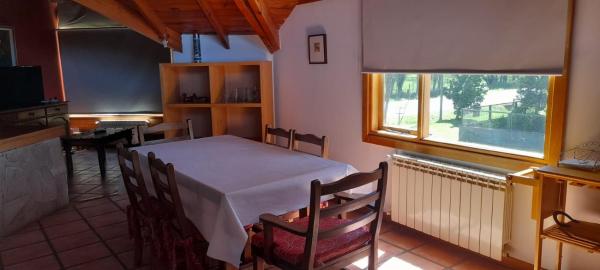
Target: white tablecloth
[(226, 182)]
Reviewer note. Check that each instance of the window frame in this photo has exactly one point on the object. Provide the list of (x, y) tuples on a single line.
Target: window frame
[(375, 132)]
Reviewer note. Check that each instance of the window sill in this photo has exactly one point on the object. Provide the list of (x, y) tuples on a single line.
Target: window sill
[(487, 157)]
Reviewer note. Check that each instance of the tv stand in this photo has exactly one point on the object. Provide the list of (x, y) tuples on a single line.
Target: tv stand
[(43, 116)]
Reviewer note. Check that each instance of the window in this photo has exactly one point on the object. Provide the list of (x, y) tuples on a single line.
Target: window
[(400, 102), (504, 115)]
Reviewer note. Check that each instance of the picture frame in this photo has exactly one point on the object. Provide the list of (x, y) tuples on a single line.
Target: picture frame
[(317, 49), (8, 50)]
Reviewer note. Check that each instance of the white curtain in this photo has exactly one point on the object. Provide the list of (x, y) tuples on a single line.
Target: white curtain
[(464, 36)]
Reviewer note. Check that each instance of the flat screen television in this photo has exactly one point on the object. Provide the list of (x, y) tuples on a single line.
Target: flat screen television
[(20, 87)]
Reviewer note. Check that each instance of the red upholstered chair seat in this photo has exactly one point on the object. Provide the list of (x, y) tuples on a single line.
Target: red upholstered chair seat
[(290, 247)]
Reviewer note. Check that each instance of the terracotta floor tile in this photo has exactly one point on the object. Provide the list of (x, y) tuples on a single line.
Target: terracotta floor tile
[(33, 226), (113, 231), (22, 239), (402, 238), (477, 263), (516, 264), (123, 204), (83, 254), (80, 177), (127, 258), (386, 227), (66, 229), (81, 188), (43, 263), (119, 197), (409, 261), (120, 244), (87, 197), (441, 253), (98, 210), (107, 219), (74, 241), (92, 203), (104, 189), (101, 264), (23, 254), (60, 218), (93, 180)]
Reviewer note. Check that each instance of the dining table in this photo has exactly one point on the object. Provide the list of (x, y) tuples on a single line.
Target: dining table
[(226, 182)]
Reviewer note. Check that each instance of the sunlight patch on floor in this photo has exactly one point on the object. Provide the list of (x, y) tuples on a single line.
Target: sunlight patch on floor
[(363, 263), (395, 263)]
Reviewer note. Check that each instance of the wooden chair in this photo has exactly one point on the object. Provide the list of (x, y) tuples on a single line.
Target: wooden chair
[(142, 212), (324, 241), (167, 128), (322, 142), (271, 135), (183, 242)]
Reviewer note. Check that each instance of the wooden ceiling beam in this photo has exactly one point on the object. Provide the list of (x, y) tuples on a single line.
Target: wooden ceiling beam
[(261, 12), (214, 22), (174, 38), (116, 11), (248, 13)]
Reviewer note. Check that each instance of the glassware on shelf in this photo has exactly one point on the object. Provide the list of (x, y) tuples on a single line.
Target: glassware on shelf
[(254, 96), (228, 96), (241, 95)]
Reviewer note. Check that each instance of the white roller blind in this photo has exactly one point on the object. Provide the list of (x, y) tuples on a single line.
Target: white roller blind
[(464, 36)]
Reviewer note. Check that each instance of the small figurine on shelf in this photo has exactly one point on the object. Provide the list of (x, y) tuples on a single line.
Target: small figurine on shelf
[(193, 98)]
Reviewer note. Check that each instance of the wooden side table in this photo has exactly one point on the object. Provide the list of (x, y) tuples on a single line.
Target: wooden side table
[(551, 195), (96, 140)]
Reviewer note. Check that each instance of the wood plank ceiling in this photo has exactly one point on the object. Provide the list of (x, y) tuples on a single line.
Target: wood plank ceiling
[(165, 20)]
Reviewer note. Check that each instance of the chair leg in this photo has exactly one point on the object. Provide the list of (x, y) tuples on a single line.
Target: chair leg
[(139, 244), (258, 263), (373, 257)]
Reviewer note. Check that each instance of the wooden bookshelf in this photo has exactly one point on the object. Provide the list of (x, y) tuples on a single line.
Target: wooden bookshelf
[(218, 82)]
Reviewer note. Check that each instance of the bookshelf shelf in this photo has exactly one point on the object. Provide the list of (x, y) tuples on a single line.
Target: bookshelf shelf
[(214, 81)]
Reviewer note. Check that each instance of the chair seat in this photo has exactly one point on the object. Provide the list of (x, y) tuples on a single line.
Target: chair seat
[(150, 208), (290, 247)]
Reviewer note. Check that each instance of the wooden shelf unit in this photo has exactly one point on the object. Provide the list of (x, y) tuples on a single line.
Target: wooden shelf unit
[(550, 192), (211, 80)]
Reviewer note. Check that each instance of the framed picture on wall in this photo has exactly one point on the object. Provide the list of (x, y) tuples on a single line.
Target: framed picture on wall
[(8, 54), (317, 49)]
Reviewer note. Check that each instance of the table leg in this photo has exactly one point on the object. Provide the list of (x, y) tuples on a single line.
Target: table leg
[(101, 159), (539, 228), (68, 158), (558, 255)]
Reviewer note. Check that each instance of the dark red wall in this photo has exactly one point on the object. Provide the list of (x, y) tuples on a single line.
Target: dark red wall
[(34, 24)]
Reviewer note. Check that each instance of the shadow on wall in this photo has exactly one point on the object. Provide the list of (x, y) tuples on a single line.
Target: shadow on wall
[(315, 30)]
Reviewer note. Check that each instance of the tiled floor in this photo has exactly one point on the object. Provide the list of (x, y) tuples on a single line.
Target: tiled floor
[(91, 233)]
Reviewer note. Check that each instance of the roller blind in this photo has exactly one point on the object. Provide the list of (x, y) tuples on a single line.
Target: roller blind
[(111, 71), (464, 36)]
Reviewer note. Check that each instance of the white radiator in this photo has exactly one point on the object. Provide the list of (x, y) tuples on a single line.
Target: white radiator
[(462, 206)]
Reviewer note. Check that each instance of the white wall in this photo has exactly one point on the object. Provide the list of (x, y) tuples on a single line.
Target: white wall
[(327, 99), (582, 116), (242, 48)]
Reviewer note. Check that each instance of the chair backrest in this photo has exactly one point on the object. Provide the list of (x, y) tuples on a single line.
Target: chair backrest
[(271, 135), (135, 186), (372, 218), (165, 186), (168, 129), (321, 142)]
